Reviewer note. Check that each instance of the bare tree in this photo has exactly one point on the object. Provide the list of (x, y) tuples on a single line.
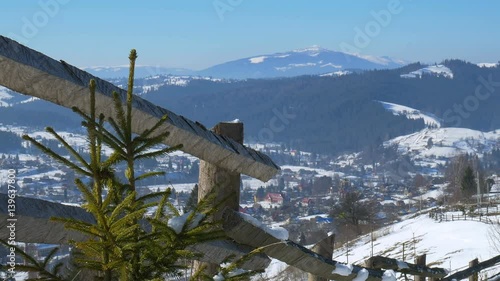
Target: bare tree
[(353, 209)]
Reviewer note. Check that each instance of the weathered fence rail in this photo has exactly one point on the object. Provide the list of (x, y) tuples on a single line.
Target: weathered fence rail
[(473, 270), (32, 73)]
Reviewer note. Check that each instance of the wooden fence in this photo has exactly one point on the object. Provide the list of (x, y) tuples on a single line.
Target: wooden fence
[(445, 217)]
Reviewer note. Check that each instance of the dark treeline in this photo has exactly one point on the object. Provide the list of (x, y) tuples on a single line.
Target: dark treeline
[(9, 142), (332, 115)]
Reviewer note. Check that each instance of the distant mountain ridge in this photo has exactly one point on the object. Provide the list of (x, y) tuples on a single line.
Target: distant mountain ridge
[(308, 61), (141, 71)]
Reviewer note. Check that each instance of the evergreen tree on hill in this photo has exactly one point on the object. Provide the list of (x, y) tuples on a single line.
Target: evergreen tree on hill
[(468, 183)]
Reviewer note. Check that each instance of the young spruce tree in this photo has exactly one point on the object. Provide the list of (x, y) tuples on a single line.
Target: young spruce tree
[(123, 244)]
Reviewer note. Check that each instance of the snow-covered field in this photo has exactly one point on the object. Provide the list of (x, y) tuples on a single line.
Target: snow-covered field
[(412, 113), (320, 172), (253, 183)]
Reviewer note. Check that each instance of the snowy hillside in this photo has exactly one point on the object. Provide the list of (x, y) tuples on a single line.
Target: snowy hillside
[(411, 113), (488, 64), (10, 98), (142, 86), (153, 83), (4, 97), (450, 245), (308, 61), (436, 70), (445, 143), (336, 73)]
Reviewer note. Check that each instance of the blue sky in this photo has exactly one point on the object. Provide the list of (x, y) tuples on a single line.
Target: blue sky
[(199, 33)]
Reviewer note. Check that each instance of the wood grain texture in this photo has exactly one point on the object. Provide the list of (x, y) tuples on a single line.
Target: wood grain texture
[(323, 248), (223, 183), (33, 221)]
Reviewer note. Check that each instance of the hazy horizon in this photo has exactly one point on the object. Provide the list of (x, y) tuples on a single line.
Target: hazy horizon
[(197, 35)]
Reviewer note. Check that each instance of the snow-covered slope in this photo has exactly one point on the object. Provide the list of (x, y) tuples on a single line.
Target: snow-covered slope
[(445, 143), (488, 64), (153, 83), (308, 61), (10, 98), (449, 245), (336, 73), (5, 97), (411, 113), (436, 70)]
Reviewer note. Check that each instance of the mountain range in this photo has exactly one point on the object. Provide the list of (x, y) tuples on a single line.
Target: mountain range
[(308, 61), (344, 110)]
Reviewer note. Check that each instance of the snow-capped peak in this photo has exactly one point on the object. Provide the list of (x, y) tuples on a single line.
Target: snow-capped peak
[(313, 48), (257, 59)]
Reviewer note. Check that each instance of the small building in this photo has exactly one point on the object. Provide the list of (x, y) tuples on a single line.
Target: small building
[(275, 198), (307, 202)]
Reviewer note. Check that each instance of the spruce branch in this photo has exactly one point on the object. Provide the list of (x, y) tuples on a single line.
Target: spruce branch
[(56, 156), (68, 147)]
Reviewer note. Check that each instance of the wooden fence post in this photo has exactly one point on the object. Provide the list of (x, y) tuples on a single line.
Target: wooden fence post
[(472, 263), (379, 262), (225, 184), (323, 248), (420, 260)]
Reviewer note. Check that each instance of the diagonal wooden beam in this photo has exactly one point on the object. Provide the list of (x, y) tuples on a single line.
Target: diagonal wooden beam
[(33, 225), (244, 232), (474, 269), (32, 73)]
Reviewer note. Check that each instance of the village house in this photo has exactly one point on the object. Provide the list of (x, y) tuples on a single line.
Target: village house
[(275, 198)]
